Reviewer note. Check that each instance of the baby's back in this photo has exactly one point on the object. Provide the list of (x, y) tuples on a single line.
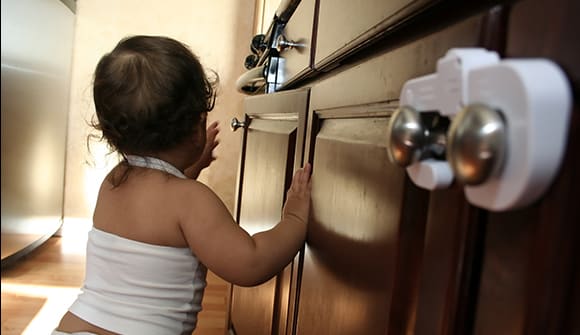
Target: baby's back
[(143, 208)]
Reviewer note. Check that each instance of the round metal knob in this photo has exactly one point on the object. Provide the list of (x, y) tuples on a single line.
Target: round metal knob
[(405, 136), (476, 145), (235, 124)]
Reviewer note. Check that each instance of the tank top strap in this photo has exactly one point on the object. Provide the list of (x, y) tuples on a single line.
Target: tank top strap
[(154, 163)]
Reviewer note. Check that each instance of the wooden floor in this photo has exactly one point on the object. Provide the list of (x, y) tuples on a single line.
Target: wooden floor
[(39, 288), (12, 243)]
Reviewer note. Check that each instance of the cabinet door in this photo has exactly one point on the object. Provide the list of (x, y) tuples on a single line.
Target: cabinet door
[(271, 151), (359, 217), (513, 272), (364, 270), (530, 269)]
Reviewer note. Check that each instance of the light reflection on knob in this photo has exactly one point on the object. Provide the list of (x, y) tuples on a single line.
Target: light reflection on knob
[(284, 44), (235, 124), (476, 145), (405, 136)]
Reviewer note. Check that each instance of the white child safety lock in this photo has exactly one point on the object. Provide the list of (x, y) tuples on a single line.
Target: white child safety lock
[(509, 123)]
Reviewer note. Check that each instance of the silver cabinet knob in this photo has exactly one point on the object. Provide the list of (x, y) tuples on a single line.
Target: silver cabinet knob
[(477, 142), (235, 124), (507, 156), (282, 44), (414, 136), (405, 136)]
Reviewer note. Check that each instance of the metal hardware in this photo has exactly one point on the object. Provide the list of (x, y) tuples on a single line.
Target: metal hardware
[(251, 61), (274, 73), (477, 144), (441, 94), (258, 44), (252, 81), (235, 124), (535, 99), (417, 141), (283, 44), (405, 136), (506, 146), (436, 133)]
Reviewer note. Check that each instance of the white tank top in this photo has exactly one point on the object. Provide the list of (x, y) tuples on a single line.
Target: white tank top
[(138, 288)]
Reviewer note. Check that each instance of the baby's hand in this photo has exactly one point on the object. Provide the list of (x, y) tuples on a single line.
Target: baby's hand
[(211, 143), (206, 157), (297, 205)]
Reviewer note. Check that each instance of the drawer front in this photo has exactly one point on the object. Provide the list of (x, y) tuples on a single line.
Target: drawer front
[(299, 29), (381, 78), (345, 24)]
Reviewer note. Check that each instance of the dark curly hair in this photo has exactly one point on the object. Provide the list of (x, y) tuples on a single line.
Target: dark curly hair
[(150, 93)]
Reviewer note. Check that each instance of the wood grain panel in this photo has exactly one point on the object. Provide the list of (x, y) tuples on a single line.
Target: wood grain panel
[(346, 24), (531, 273), (272, 150), (269, 154), (300, 29), (350, 258), (363, 90), (382, 77), (453, 232)]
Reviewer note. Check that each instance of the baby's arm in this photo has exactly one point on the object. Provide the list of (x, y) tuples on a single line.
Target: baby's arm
[(230, 252)]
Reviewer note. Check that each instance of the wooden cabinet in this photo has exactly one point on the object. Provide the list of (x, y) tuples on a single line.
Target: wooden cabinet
[(529, 281), (347, 25), (272, 148), (366, 237), (385, 257), (299, 30), (358, 214)]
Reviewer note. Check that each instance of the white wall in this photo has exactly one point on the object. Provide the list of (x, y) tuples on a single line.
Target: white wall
[(219, 33)]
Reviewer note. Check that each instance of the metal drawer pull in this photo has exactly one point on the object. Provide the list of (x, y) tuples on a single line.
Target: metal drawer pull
[(509, 124), (283, 44), (235, 124)]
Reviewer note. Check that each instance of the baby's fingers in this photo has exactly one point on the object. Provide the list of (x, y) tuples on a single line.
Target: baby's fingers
[(301, 180), (306, 170), (213, 125), (212, 130)]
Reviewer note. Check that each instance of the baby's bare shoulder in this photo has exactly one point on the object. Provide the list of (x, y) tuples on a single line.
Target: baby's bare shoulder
[(188, 190)]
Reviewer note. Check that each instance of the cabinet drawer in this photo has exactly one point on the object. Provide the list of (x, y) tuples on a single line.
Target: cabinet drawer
[(382, 77), (299, 29), (343, 25)]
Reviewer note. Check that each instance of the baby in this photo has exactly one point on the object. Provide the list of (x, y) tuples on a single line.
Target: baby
[(155, 228)]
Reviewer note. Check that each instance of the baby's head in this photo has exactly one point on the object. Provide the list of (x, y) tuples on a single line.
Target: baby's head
[(150, 93)]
